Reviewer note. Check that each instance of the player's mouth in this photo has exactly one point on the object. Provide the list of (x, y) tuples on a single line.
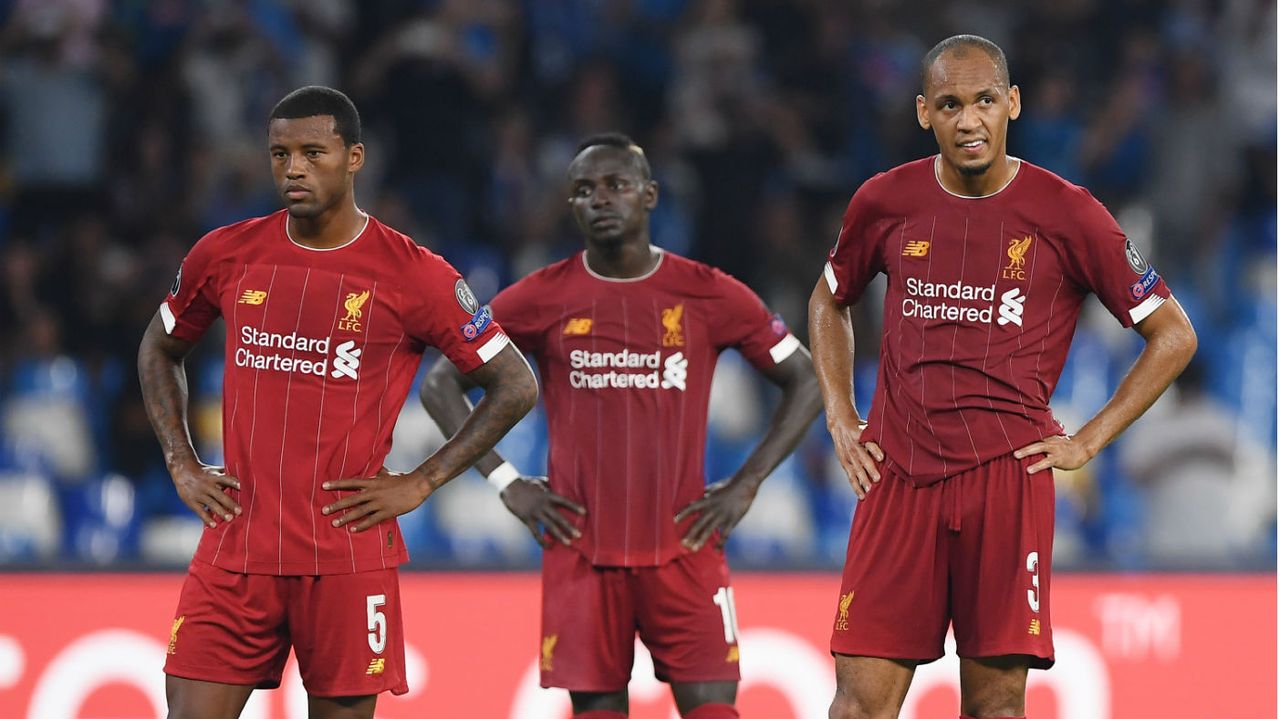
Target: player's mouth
[(604, 222), (972, 147), (296, 192)]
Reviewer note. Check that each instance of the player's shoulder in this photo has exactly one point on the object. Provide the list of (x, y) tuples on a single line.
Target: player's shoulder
[(894, 185), (699, 279), (550, 278), (400, 251), (1046, 184), (229, 236)]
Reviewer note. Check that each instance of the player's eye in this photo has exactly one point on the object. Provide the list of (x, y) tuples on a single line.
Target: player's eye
[(313, 154), (987, 100)]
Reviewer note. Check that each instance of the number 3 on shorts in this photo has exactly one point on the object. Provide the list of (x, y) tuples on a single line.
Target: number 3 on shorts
[(1033, 594), (377, 622), (724, 599)]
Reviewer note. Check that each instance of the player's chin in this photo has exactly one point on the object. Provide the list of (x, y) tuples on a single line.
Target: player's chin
[(972, 166), (302, 210)]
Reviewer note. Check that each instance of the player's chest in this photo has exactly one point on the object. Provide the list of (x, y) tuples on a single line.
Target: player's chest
[(982, 252), (611, 324), (274, 305)]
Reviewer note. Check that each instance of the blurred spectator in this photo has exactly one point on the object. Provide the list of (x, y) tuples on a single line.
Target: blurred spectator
[(1211, 491)]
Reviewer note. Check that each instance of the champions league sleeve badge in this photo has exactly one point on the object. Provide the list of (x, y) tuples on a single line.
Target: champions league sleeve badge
[(177, 283), (466, 298)]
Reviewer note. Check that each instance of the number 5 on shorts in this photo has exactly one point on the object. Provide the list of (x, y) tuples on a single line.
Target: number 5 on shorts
[(724, 599), (377, 622)]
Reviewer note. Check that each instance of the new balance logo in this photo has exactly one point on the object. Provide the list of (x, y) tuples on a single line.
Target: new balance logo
[(675, 370), (1034, 628), (347, 361), (916, 248), (1011, 307), (376, 666), (253, 297)]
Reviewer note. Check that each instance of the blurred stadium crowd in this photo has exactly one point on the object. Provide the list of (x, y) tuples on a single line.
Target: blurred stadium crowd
[(130, 128)]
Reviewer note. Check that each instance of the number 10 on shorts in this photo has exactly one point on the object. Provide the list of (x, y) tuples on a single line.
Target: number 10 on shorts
[(377, 622), (728, 612)]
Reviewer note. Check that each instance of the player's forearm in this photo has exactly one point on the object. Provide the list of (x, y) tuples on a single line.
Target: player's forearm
[(831, 342), (510, 391), (801, 401), (444, 396), (1169, 347), (163, 379)]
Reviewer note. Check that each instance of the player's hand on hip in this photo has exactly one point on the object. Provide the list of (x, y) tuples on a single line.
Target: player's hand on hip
[(1059, 451), (533, 502), (383, 496), (202, 488), (721, 507), (860, 459)]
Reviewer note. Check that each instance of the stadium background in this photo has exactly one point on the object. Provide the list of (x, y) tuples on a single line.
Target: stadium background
[(129, 129)]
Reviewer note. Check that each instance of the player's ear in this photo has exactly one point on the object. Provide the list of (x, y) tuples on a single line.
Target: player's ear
[(355, 157), (1015, 102), (650, 194), (922, 115)]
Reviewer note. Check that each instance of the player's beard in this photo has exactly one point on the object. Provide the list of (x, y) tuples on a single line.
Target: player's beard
[(974, 170)]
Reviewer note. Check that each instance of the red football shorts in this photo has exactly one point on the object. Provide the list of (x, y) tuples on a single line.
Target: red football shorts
[(682, 610), (973, 550), (234, 628)]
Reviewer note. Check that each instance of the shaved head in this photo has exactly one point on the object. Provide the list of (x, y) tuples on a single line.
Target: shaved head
[(959, 46)]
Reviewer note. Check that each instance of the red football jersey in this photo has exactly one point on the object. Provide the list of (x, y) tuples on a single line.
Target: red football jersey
[(626, 369), (982, 300), (322, 346)]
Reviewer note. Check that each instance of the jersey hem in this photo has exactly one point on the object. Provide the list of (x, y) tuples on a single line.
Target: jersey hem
[(310, 569)]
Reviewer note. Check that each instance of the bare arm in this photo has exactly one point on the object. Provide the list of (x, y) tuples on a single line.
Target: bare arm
[(163, 377), (510, 392), (528, 498), (831, 335), (725, 503), (1170, 343)]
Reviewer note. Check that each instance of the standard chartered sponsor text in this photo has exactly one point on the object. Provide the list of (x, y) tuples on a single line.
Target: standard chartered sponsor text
[(940, 309), (586, 365), (251, 338)]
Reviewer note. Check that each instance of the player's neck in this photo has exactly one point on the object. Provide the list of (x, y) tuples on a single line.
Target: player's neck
[(626, 260), (335, 227), (995, 179)]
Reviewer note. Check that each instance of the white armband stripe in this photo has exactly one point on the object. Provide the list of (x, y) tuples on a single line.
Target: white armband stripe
[(784, 349), (166, 315), (1143, 310), (490, 349), (829, 272)]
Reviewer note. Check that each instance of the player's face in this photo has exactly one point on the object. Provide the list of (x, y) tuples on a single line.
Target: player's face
[(609, 196), (968, 108), (312, 167)]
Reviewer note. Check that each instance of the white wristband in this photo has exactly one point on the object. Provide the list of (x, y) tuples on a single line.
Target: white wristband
[(502, 475)]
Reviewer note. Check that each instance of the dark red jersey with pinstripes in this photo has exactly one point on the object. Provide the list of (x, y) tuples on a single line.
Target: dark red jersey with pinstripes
[(321, 349), (626, 369), (982, 300)]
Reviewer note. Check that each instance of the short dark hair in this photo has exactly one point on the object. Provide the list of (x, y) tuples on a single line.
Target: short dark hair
[(314, 100), (956, 42), (622, 142)]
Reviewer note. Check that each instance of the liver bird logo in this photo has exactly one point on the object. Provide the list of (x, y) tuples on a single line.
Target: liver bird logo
[(548, 648), (842, 621), (353, 305), (672, 322), (1018, 251)]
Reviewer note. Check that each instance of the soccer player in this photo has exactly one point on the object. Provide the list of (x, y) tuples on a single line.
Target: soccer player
[(626, 338), (988, 260), (328, 312)]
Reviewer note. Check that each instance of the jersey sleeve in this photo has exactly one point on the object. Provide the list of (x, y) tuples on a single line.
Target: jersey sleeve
[(741, 320), (856, 258), (441, 311), (192, 304), (516, 307), (1111, 266)]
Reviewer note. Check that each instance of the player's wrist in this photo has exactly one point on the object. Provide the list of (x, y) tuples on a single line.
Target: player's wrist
[(502, 476)]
